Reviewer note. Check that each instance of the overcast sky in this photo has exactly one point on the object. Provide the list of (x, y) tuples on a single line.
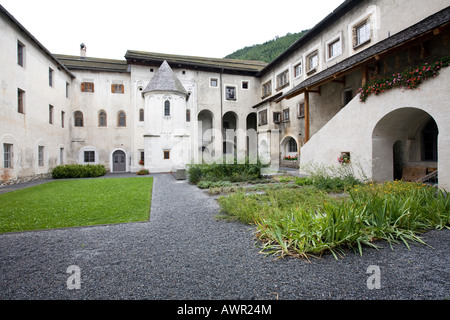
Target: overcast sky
[(196, 27)]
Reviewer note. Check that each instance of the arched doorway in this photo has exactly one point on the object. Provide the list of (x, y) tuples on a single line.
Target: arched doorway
[(404, 145), (205, 135), (229, 126), (119, 161)]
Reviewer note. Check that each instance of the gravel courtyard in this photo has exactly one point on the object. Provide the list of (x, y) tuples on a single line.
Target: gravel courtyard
[(183, 252)]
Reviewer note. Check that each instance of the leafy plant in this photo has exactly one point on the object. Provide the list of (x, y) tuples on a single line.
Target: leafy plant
[(78, 171)]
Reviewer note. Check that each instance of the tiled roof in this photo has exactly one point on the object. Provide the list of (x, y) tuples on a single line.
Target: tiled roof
[(92, 64), (165, 80), (193, 62)]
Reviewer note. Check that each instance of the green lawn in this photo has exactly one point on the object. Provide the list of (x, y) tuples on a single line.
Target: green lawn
[(70, 203)]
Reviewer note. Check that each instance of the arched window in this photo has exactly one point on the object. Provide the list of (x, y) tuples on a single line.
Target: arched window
[(167, 108), (141, 114), (102, 119), (78, 116), (292, 145), (121, 119)]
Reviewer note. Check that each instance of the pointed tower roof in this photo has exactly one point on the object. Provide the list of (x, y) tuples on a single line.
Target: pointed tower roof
[(165, 80)]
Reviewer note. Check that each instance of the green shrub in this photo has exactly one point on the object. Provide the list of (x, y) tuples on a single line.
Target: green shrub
[(78, 171)]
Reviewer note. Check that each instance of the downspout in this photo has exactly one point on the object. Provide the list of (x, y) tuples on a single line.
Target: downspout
[(221, 113)]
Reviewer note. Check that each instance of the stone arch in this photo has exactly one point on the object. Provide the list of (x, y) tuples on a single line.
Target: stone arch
[(398, 142)]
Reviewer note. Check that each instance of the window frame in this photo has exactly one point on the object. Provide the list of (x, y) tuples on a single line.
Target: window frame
[(89, 156), (50, 113), (20, 54), (50, 77), (356, 35), (311, 69), (167, 107), (141, 115), (117, 88), (78, 116), (211, 82), (266, 88), (276, 115), (286, 115), (262, 117), (230, 93), (87, 86), (282, 79), (121, 119), (20, 101), (8, 155), (102, 116), (329, 46), (41, 150), (300, 109), (166, 154), (296, 65)]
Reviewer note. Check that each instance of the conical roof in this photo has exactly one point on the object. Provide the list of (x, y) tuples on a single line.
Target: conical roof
[(165, 80)]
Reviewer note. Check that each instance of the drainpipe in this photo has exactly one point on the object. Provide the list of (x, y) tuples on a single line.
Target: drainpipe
[(221, 112)]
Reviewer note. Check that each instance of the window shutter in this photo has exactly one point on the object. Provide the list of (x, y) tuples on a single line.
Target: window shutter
[(123, 87), (112, 88), (92, 87), (82, 87)]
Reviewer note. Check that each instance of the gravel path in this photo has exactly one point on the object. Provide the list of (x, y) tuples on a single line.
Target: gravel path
[(183, 252)]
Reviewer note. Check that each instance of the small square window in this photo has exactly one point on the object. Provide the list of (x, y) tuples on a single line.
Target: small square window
[(244, 85), (361, 33), (166, 155), (312, 62), (87, 87), (117, 88), (89, 156), (213, 82), (283, 79), (267, 89), (276, 117), (334, 48)]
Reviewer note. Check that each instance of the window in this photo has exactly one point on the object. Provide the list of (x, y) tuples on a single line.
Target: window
[(298, 70), (245, 85), (63, 115), (361, 33), (67, 89), (87, 87), (292, 145), (89, 156), (267, 89), (61, 155), (166, 155), (286, 115), (141, 115), (213, 82), (283, 80), (300, 110), (117, 88), (121, 119), (7, 155), (334, 48), (230, 93), (41, 156), (347, 96), (50, 114), (20, 100), (188, 115), (20, 53), (142, 157), (262, 117), (167, 108), (78, 116), (277, 117), (312, 62), (102, 119), (50, 77)]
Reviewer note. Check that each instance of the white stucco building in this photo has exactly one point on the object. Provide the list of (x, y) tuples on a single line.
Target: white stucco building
[(164, 111)]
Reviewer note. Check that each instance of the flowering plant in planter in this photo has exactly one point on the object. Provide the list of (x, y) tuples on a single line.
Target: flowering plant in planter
[(344, 158), (142, 172), (291, 158), (141, 162), (408, 79)]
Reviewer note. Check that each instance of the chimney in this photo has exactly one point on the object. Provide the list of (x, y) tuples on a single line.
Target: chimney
[(83, 51)]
